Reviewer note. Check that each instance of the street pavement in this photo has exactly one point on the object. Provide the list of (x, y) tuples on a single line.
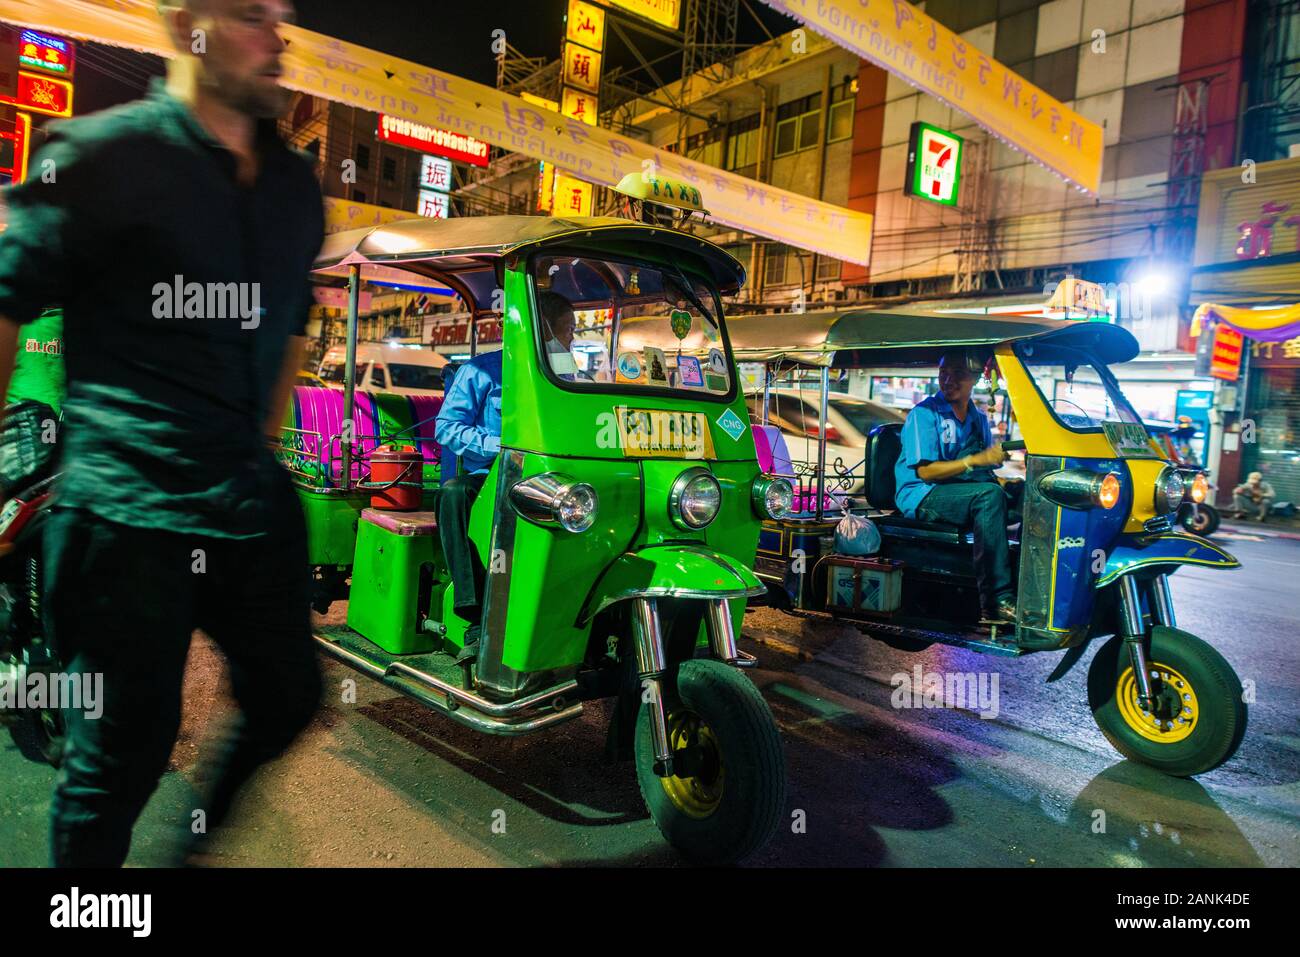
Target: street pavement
[(383, 782)]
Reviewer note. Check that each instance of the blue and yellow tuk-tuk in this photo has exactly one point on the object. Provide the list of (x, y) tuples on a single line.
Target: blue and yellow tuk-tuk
[(1092, 550)]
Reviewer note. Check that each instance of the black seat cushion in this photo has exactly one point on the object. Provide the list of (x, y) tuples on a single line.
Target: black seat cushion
[(898, 525), (884, 445)]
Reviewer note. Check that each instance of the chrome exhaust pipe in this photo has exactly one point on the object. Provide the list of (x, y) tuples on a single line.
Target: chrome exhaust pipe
[(650, 665)]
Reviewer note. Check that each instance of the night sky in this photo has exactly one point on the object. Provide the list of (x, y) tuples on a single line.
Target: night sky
[(450, 35)]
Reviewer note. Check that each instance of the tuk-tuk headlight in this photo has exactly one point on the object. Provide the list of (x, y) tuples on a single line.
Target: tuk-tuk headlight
[(1198, 488), (772, 496), (695, 499), (556, 499), (1169, 490), (1081, 488)]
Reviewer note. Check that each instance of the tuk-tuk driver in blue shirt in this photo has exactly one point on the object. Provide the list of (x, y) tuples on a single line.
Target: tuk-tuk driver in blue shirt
[(468, 426), (945, 474)]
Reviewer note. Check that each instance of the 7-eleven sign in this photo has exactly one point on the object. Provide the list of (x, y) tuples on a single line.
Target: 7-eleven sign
[(933, 165)]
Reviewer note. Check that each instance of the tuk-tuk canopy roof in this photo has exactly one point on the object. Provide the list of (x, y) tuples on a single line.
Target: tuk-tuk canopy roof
[(445, 248), (846, 338)]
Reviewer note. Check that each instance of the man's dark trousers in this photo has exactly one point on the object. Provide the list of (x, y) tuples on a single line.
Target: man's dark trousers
[(122, 602), (467, 572), (981, 507)]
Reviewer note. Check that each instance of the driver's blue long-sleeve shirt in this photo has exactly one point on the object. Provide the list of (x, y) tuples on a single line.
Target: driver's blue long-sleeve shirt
[(469, 423), (932, 433)]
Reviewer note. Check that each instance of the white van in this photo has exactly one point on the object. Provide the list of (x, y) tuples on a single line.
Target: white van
[(399, 368)]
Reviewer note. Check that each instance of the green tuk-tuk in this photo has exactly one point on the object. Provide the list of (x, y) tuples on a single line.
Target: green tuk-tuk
[(618, 525)]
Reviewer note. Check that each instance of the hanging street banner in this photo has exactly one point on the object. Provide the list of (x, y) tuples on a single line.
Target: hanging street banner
[(896, 36), (346, 73), (344, 214)]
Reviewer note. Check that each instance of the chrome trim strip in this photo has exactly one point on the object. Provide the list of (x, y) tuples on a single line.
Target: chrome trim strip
[(671, 593), (489, 670), (533, 713)]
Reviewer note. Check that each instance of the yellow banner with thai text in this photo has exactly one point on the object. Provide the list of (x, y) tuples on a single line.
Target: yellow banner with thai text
[(372, 80), (898, 37)]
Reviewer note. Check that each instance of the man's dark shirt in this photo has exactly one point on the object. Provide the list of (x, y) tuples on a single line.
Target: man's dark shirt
[(164, 414)]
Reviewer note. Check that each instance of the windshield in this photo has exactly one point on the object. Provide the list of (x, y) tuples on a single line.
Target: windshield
[(604, 322), (863, 415), (406, 376), (1081, 393), (332, 371)]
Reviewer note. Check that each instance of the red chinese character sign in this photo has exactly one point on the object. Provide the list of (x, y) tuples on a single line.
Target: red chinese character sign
[(1255, 237), (47, 54), (572, 196), (1225, 359), (435, 173), (432, 139), (581, 68), (44, 94), (434, 205), (581, 105), (585, 24)]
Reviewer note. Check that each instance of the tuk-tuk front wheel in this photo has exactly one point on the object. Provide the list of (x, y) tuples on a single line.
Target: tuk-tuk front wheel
[(1198, 717), (728, 794)]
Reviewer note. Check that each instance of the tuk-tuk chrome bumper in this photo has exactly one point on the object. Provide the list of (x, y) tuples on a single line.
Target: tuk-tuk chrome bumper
[(671, 571), (1170, 548)]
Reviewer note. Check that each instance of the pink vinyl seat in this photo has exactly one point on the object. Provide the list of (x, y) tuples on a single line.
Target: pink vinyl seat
[(315, 419)]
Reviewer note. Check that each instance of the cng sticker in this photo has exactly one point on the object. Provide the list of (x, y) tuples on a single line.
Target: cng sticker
[(933, 165), (730, 423)]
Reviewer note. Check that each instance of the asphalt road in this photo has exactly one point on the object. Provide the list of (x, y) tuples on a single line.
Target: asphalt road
[(383, 782)]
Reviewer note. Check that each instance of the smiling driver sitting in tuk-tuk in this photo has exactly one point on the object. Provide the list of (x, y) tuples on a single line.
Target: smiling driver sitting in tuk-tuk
[(945, 474)]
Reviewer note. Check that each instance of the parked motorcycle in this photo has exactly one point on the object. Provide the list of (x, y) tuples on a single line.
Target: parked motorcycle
[(26, 464)]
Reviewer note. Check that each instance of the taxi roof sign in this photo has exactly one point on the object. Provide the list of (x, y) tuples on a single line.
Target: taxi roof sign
[(1078, 297), (662, 191)]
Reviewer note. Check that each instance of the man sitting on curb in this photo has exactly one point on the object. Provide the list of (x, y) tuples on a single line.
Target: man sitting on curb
[(1253, 495)]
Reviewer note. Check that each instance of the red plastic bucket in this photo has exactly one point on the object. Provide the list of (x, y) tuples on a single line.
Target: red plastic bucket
[(397, 478)]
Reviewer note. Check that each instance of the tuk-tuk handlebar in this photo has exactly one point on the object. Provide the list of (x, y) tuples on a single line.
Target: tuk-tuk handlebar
[(1016, 445)]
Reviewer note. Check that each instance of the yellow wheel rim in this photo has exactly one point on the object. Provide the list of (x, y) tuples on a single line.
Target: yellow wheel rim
[(1177, 711), (697, 796)]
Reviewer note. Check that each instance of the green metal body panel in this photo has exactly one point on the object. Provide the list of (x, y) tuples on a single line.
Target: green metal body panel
[(331, 524), (384, 603), (332, 518)]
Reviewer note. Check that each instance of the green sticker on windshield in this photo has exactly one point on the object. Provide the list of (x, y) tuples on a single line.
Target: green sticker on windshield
[(681, 322)]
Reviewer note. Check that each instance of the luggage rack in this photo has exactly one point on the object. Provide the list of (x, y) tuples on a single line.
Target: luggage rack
[(318, 461)]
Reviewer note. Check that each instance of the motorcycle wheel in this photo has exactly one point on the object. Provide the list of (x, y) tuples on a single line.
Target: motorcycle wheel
[(732, 804), (1203, 521), (39, 734), (1199, 718)]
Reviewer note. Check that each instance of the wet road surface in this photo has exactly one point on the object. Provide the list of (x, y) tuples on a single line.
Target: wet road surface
[(384, 782)]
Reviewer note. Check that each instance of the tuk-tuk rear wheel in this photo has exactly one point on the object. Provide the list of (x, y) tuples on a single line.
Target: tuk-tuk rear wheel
[(1199, 716), (732, 796)]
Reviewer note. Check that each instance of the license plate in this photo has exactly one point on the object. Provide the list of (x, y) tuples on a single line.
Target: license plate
[(663, 433), (1129, 440)]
